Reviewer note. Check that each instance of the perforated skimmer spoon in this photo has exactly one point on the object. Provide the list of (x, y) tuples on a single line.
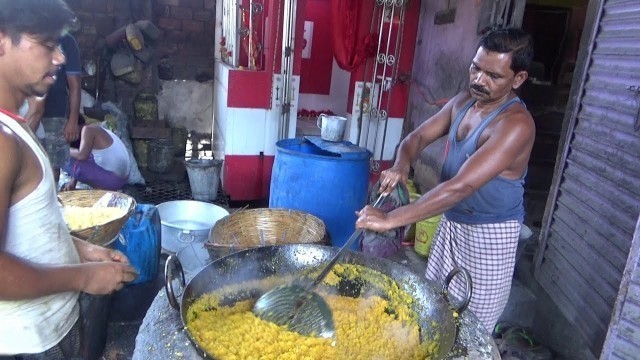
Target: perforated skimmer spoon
[(300, 308)]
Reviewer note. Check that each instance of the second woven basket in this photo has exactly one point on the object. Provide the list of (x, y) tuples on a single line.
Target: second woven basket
[(246, 229)]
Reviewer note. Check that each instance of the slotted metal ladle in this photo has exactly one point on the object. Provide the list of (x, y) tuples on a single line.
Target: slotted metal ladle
[(300, 308)]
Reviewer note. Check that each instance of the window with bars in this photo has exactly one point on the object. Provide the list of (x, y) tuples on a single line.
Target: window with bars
[(229, 36), (500, 14), (241, 42)]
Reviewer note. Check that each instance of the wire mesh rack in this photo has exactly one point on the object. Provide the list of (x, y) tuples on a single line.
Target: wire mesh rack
[(156, 192)]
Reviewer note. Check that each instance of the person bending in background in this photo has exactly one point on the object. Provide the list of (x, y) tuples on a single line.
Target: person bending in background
[(42, 268), (56, 118), (490, 137), (98, 159)]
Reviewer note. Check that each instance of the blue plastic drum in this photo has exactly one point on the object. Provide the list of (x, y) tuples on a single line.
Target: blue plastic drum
[(327, 179)]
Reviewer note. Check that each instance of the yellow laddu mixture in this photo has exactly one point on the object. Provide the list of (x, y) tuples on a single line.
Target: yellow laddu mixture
[(78, 218), (365, 329)]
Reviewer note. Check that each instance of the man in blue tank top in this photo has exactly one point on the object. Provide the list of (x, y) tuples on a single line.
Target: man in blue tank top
[(490, 134)]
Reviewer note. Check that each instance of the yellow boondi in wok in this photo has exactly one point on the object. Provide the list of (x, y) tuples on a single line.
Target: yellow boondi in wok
[(364, 330)]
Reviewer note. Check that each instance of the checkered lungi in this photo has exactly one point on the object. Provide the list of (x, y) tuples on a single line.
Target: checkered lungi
[(488, 252)]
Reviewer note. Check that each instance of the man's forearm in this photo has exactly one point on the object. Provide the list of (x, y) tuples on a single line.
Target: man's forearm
[(440, 199), (407, 152), (23, 280), (75, 153)]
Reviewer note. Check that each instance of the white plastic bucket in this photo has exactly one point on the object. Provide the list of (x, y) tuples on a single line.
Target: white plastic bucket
[(204, 178), (331, 127)]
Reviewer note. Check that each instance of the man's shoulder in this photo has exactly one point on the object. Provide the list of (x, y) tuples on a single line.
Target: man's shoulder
[(459, 101), (9, 143), (516, 116), (462, 98), (519, 109), (7, 131), (92, 129)]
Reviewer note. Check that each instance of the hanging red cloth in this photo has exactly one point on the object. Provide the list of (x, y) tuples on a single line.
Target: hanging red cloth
[(349, 51)]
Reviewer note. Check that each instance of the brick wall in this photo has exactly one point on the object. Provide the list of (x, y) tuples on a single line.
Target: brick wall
[(187, 42), (187, 25)]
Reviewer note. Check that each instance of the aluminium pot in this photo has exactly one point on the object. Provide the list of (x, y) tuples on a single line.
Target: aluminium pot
[(254, 271), (187, 221)]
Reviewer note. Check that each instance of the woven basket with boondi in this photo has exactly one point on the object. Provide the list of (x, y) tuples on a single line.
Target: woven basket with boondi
[(246, 229), (100, 234)]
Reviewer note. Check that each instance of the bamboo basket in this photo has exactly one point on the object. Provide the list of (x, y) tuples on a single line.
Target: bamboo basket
[(100, 234), (246, 229)]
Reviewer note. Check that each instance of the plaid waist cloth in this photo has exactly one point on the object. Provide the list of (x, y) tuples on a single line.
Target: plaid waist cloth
[(387, 243), (488, 252)]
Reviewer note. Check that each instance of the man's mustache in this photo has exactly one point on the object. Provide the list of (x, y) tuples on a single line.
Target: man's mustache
[(479, 89)]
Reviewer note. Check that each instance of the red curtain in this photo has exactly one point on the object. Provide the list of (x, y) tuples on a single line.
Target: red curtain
[(349, 51)]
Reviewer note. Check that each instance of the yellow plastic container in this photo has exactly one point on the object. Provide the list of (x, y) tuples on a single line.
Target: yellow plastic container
[(412, 188), (425, 230), (410, 233)]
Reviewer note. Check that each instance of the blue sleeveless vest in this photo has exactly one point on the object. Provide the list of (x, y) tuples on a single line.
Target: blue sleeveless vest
[(498, 200)]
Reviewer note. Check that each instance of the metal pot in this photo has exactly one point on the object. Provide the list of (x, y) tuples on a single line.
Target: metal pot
[(187, 221), (260, 269)]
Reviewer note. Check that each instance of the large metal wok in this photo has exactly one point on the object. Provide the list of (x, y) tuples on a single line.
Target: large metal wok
[(252, 272)]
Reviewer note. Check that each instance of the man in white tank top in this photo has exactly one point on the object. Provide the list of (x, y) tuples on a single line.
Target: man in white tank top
[(42, 268), (98, 159)]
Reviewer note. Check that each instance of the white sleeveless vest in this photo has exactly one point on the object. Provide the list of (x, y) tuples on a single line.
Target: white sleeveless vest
[(37, 233)]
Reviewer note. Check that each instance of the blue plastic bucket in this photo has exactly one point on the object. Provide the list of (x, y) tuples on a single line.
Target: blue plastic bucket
[(327, 179), (140, 242)]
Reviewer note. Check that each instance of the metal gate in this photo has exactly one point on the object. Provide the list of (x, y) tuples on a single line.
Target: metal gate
[(384, 72), (594, 200)]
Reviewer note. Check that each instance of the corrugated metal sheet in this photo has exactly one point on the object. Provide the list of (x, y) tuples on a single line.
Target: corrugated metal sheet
[(623, 338), (596, 202)]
